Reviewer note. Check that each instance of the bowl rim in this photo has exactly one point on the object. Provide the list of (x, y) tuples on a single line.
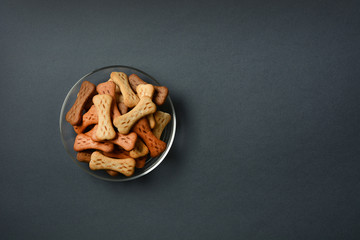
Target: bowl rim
[(155, 164)]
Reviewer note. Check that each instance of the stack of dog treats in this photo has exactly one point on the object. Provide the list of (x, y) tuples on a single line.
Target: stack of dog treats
[(117, 123)]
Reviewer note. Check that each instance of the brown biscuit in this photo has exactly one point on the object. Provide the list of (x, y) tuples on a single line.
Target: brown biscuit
[(89, 118), (84, 142), (124, 122), (140, 149), (160, 94), (140, 162), (110, 89), (121, 79), (127, 142), (105, 130), (143, 130), (124, 166), (92, 134), (161, 120), (87, 91), (118, 153), (121, 105), (84, 156)]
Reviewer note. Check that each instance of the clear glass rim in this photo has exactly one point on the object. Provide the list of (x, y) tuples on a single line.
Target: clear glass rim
[(154, 165)]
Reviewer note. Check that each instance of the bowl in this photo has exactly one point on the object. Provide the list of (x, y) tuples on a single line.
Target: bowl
[(68, 134)]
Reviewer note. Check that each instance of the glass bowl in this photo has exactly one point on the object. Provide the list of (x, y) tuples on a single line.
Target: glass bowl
[(68, 134)]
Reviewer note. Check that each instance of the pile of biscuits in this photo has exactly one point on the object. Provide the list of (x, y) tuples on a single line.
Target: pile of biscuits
[(117, 123)]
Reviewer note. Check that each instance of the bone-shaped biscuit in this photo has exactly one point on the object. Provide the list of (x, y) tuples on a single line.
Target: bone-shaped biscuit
[(140, 162), (143, 130), (160, 94), (124, 122), (84, 142), (121, 79), (87, 90), (124, 166), (140, 149), (147, 90), (105, 130), (118, 153), (117, 89), (161, 120), (85, 156), (151, 120), (127, 142), (120, 101), (89, 118), (109, 88)]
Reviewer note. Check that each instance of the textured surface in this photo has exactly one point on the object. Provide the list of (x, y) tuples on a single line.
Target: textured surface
[(267, 101)]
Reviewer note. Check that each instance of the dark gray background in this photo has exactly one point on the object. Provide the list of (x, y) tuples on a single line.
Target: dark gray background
[(267, 99)]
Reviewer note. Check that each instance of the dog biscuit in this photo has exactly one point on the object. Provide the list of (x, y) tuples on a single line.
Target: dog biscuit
[(147, 90), (121, 79), (89, 118), (121, 105), (151, 120), (87, 90), (84, 156), (143, 130), (140, 149), (160, 94), (117, 89), (110, 89), (127, 142), (124, 122), (84, 142), (105, 130), (118, 153), (161, 120), (124, 166), (140, 162)]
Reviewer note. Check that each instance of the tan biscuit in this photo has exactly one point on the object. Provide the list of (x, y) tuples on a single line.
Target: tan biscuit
[(151, 120), (89, 118), (140, 162), (105, 130), (87, 90), (121, 79), (84, 142), (124, 166), (84, 156), (143, 130), (160, 94), (109, 88), (125, 122), (140, 149), (145, 90), (161, 120)]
